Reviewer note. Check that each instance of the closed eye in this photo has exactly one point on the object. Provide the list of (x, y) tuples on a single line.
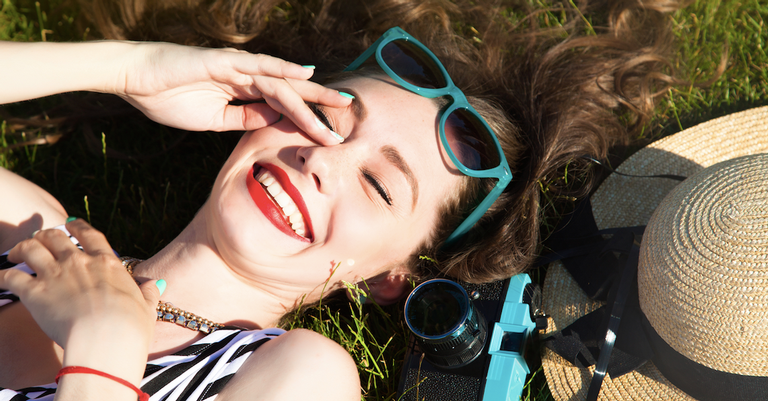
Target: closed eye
[(321, 115), (376, 184)]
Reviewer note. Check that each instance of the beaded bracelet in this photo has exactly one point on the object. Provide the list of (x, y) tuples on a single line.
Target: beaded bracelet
[(81, 369)]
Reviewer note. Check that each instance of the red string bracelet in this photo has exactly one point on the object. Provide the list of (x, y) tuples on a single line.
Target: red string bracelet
[(81, 369)]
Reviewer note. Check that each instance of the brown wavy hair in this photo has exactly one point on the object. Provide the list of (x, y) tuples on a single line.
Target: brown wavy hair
[(552, 95)]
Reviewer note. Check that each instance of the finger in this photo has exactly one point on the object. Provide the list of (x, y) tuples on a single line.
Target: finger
[(262, 64), (308, 122), (16, 281), (316, 93), (248, 117), (151, 290), (282, 97), (258, 87), (313, 93), (91, 239), (34, 254), (57, 242)]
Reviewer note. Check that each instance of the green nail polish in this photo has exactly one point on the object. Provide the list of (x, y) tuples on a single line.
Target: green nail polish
[(279, 119), (161, 284), (337, 136), (346, 95), (310, 66), (34, 233), (71, 219)]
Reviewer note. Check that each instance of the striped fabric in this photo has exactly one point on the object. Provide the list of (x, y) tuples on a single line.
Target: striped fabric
[(196, 373), (5, 296)]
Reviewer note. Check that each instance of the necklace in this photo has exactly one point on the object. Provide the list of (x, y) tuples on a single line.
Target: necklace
[(166, 312)]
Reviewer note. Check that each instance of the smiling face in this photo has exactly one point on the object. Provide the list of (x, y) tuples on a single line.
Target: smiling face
[(373, 199)]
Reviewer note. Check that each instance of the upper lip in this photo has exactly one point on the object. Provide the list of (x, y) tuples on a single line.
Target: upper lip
[(282, 178)]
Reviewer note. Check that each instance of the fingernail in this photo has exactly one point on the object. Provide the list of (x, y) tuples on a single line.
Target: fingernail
[(346, 95), (279, 119), (34, 233), (310, 66), (161, 284), (323, 126), (71, 219), (320, 123), (337, 136)]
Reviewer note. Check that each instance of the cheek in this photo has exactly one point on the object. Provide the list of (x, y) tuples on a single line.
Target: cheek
[(243, 149), (367, 237)]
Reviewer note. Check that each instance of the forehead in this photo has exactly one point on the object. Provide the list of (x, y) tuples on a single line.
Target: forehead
[(394, 116)]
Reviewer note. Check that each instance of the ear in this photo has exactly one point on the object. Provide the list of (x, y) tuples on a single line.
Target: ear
[(389, 287)]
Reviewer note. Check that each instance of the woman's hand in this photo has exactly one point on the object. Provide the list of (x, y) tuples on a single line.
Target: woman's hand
[(191, 88), (85, 301), (181, 86)]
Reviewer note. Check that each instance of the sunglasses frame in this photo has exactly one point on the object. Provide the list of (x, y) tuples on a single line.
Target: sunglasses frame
[(459, 101)]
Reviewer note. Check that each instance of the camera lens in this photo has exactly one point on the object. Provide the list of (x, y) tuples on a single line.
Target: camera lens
[(450, 330)]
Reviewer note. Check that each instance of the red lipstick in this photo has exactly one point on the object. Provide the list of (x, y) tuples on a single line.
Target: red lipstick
[(270, 209)]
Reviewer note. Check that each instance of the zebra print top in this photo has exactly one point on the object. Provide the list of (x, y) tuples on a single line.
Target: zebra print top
[(196, 373)]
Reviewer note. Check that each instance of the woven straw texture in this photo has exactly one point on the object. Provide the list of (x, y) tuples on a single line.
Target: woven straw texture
[(703, 271), (567, 382), (625, 201)]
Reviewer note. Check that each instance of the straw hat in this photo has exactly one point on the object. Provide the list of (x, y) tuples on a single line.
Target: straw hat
[(703, 266)]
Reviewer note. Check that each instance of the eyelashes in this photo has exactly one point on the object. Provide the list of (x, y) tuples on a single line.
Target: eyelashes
[(369, 177), (377, 186), (320, 114)]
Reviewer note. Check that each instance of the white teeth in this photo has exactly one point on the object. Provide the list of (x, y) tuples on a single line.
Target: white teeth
[(296, 218), (283, 199), (265, 178), (289, 209), (275, 189), (292, 213)]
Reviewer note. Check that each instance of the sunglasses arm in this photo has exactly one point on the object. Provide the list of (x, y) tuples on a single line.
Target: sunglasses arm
[(479, 211), (370, 51)]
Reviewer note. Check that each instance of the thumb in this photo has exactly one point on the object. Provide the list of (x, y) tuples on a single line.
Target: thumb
[(152, 290)]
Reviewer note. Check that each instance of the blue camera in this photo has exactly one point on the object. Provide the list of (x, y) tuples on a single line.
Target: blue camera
[(455, 353)]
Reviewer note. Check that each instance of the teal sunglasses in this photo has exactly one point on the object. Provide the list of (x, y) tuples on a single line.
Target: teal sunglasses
[(474, 149)]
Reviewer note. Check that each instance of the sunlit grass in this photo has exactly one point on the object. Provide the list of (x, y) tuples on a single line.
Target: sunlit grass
[(114, 162), (707, 31)]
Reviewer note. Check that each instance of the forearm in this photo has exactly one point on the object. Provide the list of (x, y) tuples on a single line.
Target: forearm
[(89, 387), (32, 70), (119, 353), (83, 299)]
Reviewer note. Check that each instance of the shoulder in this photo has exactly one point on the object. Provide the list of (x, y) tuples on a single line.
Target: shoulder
[(297, 365)]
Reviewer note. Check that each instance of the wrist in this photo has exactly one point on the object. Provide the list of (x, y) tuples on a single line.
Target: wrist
[(117, 59), (83, 383), (121, 352)]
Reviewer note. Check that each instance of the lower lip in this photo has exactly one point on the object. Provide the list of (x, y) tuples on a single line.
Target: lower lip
[(269, 209)]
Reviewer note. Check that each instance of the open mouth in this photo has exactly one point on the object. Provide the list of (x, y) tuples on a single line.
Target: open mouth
[(279, 201)]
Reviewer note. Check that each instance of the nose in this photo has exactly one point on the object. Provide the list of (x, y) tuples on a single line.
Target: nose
[(327, 165)]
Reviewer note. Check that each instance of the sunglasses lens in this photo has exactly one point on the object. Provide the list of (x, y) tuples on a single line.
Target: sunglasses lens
[(470, 140), (412, 64)]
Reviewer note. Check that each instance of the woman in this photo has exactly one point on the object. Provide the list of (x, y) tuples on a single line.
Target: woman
[(211, 243), (395, 171)]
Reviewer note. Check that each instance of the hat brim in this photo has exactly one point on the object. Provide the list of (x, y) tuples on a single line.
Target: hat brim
[(630, 201)]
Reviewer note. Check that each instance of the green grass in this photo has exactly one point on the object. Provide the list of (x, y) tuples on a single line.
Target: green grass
[(106, 168), (707, 30)]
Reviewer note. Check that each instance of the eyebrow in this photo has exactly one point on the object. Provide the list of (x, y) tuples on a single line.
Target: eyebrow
[(394, 157), (390, 153), (358, 108)]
